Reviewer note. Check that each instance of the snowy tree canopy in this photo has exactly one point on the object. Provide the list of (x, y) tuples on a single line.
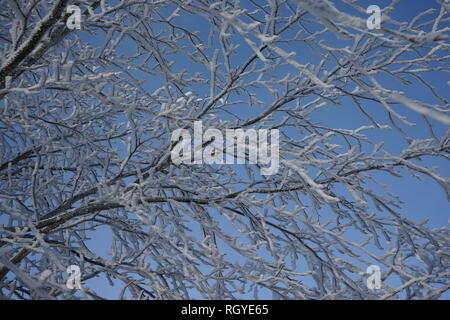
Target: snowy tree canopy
[(86, 176)]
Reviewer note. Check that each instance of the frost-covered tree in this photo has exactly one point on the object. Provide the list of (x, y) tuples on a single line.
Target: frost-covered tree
[(86, 176)]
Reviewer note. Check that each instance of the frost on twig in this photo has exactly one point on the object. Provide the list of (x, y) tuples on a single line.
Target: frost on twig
[(86, 178)]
